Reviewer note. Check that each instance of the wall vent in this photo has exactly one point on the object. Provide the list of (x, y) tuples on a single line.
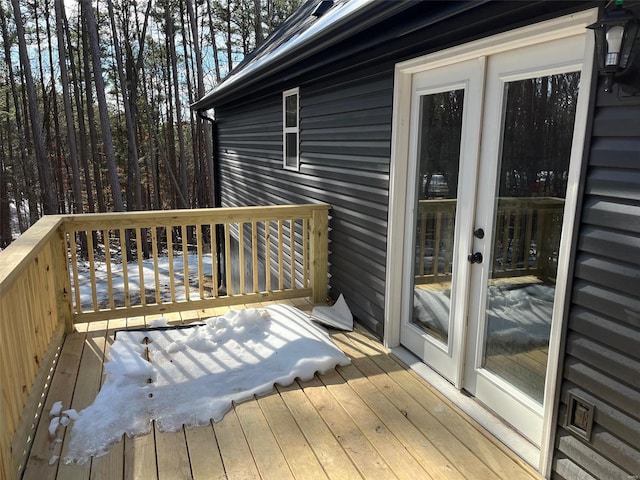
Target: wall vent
[(580, 415)]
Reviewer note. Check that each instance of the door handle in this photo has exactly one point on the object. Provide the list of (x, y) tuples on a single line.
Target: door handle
[(475, 257)]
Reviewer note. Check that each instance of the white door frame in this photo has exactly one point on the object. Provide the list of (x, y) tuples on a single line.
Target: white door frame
[(562, 27)]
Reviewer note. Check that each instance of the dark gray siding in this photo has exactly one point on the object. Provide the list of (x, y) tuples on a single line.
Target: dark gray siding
[(602, 360), (345, 142)]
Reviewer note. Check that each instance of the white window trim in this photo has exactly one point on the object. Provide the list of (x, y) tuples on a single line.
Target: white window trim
[(560, 27), (286, 130)]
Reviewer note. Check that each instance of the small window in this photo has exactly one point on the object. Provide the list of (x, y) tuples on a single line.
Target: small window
[(290, 129)]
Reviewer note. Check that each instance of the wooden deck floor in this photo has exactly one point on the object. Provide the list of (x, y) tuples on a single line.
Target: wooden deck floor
[(372, 419)]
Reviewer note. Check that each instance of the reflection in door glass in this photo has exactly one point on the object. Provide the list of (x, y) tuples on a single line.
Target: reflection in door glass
[(537, 133), (437, 184)]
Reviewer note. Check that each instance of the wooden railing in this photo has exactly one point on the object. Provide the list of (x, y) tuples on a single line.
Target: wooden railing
[(34, 309), (83, 268), (524, 247)]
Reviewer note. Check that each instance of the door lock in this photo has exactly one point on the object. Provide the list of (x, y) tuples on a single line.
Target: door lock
[(479, 233), (475, 257)]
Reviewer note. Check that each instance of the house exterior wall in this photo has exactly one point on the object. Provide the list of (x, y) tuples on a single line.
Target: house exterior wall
[(602, 360), (345, 135), (345, 131), (345, 138)]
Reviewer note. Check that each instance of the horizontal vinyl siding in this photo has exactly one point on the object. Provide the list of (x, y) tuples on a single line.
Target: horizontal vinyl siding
[(345, 146), (602, 359)]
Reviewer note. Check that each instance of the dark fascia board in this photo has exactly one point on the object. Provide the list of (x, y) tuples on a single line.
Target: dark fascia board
[(365, 17)]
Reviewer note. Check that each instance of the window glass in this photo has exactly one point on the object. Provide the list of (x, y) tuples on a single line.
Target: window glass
[(291, 159), (291, 111)]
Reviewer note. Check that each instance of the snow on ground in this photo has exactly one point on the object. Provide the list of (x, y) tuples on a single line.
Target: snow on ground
[(191, 375), (133, 279)]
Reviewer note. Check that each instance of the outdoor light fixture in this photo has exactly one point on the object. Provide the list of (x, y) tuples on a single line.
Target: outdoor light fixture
[(615, 38)]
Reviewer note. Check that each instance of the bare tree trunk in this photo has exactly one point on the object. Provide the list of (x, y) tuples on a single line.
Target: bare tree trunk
[(68, 111), (257, 22), (204, 133), (5, 212), (93, 135), (173, 62), (82, 129), (212, 39), (58, 159), (229, 33), (22, 146), (132, 149), (152, 135), (92, 31), (46, 176)]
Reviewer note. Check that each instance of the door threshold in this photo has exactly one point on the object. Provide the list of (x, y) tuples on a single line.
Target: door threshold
[(469, 405)]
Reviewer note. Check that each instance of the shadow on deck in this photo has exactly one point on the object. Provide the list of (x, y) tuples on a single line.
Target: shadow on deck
[(372, 419)]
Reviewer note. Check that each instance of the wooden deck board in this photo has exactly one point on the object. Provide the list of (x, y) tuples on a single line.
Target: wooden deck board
[(172, 455), (296, 449), (359, 449), (488, 449), (372, 419), (204, 455), (236, 454), (269, 458), (62, 385)]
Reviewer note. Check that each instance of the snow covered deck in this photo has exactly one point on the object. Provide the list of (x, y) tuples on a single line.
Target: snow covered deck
[(372, 419)]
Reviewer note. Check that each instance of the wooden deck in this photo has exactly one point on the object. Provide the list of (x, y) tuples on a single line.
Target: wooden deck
[(372, 419)]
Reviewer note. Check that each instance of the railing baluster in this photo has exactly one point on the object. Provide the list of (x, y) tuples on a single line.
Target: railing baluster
[(305, 253), (154, 253), (172, 272), (185, 262), (527, 239), (436, 245), (292, 252), (254, 255), (280, 256), (423, 239), (505, 237), (515, 242), (450, 219), (107, 260), (227, 257), (125, 267), (198, 228), (143, 290), (92, 271), (241, 256), (74, 267), (267, 255), (214, 261)]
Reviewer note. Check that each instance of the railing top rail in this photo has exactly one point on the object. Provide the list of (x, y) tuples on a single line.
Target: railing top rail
[(160, 218), (25, 248)]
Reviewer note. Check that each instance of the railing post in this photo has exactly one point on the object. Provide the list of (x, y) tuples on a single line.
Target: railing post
[(319, 254), (62, 284)]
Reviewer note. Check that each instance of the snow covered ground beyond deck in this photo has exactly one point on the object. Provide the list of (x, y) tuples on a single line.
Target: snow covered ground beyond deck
[(195, 373), (133, 279)]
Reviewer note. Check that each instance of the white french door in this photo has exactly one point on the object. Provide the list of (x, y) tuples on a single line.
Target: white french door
[(492, 165)]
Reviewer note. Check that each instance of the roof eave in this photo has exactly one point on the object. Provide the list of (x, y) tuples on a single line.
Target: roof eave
[(363, 18)]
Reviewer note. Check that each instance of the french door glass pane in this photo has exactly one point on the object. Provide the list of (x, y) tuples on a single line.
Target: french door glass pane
[(537, 132), (437, 185)]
